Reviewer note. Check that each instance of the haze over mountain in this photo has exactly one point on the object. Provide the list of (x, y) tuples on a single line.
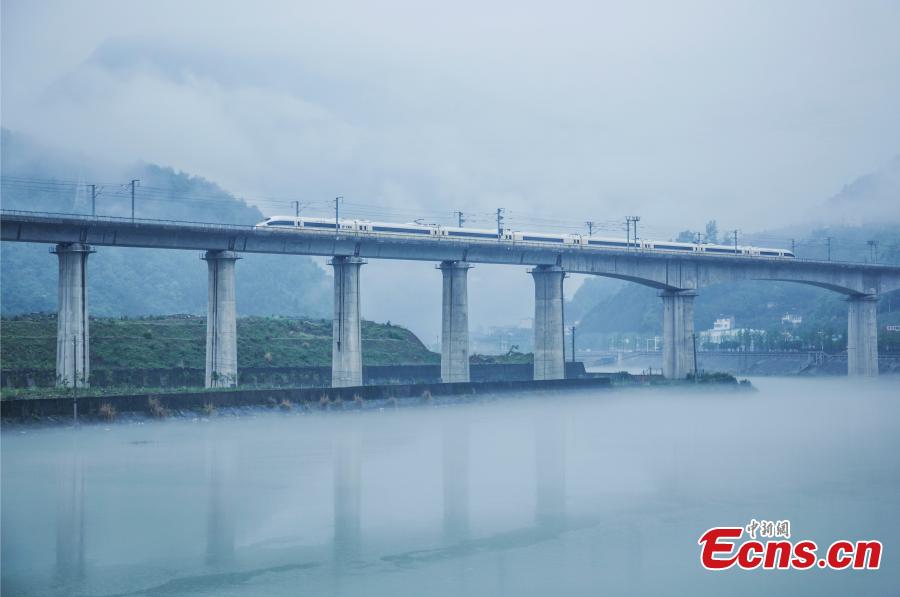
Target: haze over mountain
[(560, 113), (141, 281)]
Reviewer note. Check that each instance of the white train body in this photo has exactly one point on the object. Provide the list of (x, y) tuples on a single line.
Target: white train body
[(513, 236)]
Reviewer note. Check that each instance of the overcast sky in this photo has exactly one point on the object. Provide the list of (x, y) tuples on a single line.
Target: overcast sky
[(747, 112)]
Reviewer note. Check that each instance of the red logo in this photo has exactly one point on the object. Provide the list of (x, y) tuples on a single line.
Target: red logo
[(721, 549)]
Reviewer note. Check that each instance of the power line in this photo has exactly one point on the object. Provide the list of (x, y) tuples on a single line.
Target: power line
[(131, 191)]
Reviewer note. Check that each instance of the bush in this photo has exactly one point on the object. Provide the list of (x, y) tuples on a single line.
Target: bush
[(107, 411), (156, 409)]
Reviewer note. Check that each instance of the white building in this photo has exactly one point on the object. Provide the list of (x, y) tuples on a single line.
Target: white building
[(791, 320), (724, 330)]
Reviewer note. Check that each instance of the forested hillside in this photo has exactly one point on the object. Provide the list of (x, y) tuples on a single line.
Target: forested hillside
[(137, 282), (604, 307), (29, 342)]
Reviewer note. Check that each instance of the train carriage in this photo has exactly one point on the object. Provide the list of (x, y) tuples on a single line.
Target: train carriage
[(511, 236)]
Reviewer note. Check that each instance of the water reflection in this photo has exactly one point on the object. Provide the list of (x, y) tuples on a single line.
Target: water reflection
[(584, 494), (347, 496), (221, 515), (70, 523), (455, 452), (550, 469)]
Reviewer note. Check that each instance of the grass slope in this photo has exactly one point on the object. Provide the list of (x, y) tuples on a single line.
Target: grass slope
[(29, 342)]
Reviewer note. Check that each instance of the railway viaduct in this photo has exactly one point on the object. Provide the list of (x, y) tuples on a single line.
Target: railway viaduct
[(678, 278)]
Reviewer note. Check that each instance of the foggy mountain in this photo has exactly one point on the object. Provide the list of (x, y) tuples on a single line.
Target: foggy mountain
[(604, 306), (874, 197), (137, 282)]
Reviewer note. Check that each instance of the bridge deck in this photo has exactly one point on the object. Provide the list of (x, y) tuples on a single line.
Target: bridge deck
[(660, 269)]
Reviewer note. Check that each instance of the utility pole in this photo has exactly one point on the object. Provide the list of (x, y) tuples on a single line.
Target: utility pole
[(573, 343), (93, 200), (590, 227), (735, 232), (635, 220), (296, 208), (460, 219), (828, 245), (337, 213), (694, 340), (629, 220), (873, 250), (500, 211), (133, 181), (794, 247), (698, 239)]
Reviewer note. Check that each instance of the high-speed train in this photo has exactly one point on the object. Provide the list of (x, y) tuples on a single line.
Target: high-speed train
[(512, 236)]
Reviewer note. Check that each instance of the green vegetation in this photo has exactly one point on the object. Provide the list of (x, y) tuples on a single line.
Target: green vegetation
[(29, 342), (139, 282), (513, 357), (608, 310)]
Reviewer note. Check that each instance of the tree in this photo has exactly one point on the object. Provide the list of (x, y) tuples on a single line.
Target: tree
[(685, 236), (712, 232)]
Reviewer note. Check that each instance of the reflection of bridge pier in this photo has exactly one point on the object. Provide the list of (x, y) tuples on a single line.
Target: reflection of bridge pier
[(347, 497), (70, 528), (220, 520), (550, 469), (456, 478)]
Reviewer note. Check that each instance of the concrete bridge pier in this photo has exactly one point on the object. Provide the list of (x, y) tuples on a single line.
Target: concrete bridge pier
[(73, 356), (346, 347), (549, 339), (221, 321), (455, 322), (678, 333), (862, 336)]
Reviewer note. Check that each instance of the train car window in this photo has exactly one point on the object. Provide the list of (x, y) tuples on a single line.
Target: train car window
[(280, 223), (607, 243), (545, 239), (471, 234), (401, 230)]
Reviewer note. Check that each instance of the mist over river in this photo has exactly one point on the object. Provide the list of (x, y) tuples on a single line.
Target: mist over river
[(579, 493)]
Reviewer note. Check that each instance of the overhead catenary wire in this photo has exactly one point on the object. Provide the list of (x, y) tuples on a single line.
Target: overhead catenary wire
[(111, 191)]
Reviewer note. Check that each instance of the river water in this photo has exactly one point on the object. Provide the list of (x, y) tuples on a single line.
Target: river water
[(583, 493)]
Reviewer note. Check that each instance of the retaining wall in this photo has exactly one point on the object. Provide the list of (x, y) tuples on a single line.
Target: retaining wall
[(23, 409)]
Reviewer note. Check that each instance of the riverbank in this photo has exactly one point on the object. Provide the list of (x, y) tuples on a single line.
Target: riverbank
[(243, 401), (163, 405)]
